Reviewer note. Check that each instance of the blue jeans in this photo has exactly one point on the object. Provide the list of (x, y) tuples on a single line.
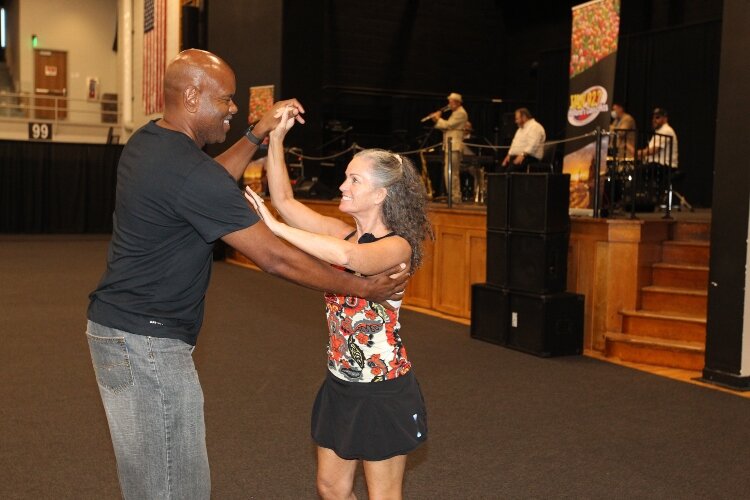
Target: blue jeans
[(154, 405)]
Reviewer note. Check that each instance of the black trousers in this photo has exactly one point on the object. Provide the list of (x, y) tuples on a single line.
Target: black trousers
[(524, 165)]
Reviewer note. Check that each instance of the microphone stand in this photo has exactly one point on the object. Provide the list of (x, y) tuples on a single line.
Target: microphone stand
[(338, 137), (449, 158), (427, 136)]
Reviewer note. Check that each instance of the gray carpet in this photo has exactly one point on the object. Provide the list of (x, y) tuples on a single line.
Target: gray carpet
[(503, 424)]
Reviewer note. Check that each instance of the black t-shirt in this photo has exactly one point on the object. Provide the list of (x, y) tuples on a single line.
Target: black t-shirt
[(173, 202)]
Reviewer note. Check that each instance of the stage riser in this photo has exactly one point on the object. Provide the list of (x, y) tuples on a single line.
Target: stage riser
[(670, 329), (690, 231), (674, 302), (609, 262), (655, 355), (696, 254), (680, 277)]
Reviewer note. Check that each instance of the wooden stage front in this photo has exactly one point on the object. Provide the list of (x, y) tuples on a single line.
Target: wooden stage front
[(609, 260)]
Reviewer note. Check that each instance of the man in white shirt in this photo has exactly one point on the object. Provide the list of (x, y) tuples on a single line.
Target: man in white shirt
[(453, 128), (660, 156), (528, 143), (662, 148)]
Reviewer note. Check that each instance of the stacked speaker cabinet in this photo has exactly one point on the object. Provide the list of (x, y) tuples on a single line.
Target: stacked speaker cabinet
[(524, 305)]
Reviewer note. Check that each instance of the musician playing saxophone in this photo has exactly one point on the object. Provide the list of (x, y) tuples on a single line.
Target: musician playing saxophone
[(453, 128)]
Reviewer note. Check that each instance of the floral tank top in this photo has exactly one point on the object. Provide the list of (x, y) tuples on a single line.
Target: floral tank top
[(363, 337)]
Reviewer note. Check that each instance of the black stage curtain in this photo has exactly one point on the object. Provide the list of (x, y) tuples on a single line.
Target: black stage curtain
[(674, 68), (553, 98), (56, 187)]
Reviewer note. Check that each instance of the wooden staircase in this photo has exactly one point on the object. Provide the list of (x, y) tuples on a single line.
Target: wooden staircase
[(669, 329)]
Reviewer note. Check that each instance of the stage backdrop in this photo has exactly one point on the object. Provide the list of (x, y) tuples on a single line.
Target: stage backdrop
[(593, 52)]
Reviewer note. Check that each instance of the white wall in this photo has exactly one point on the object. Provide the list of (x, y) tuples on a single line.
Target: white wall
[(85, 29)]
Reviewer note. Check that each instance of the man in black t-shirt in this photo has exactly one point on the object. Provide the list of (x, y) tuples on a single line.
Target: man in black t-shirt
[(173, 202)]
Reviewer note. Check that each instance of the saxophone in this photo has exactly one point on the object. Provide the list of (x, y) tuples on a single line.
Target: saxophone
[(425, 175)]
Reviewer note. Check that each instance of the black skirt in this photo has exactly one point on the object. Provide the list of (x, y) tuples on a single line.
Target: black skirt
[(369, 421)]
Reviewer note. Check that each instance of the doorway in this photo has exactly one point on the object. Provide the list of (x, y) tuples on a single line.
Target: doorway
[(51, 80)]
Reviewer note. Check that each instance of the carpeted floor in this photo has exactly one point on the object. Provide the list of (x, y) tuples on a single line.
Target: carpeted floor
[(502, 424)]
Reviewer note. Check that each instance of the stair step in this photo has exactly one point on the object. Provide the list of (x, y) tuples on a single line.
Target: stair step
[(680, 275), (686, 252), (654, 351), (687, 230), (664, 325), (688, 301)]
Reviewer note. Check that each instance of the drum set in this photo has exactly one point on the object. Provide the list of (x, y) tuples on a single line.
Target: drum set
[(630, 184), (629, 181)]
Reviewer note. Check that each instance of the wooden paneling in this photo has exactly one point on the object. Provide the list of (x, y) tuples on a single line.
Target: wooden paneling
[(587, 271), (477, 263), (460, 258), (450, 271), (419, 289), (452, 262)]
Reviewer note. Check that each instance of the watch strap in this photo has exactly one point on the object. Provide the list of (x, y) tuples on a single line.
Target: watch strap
[(252, 137)]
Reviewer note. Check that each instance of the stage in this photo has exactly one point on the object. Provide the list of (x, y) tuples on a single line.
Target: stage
[(609, 261)]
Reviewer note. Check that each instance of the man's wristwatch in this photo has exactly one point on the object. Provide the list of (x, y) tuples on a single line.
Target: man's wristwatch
[(252, 137)]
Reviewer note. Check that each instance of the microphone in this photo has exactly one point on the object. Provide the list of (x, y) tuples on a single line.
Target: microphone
[(442, 110)]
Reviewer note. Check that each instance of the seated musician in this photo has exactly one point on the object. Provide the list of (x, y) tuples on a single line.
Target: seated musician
[(528, 143), (622, 133), (660, 155), (662, 148)]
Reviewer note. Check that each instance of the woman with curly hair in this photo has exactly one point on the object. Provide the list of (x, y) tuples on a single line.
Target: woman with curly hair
[(370, 407)]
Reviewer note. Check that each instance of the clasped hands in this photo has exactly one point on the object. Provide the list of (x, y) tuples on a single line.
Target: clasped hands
[(282, 111)]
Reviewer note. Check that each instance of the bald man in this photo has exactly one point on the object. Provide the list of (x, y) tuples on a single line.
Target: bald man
[(173, 203)]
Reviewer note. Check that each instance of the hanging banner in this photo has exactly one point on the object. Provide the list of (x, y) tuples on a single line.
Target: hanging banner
[(593, 54), (261, 100)]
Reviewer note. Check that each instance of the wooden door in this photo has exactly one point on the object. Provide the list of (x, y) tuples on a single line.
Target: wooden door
[(50, 79)]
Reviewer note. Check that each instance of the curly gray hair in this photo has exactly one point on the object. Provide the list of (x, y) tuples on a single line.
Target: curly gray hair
[(405, 204)]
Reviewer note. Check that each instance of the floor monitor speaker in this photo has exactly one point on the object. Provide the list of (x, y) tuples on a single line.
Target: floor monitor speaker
[(539, 202), (489, 313), (546, 325)]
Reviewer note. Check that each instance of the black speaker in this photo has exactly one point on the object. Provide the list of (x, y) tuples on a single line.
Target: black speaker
[(489, 313), (545, 325), (539, 202), (497, 201), (529, 262), (497, 258)]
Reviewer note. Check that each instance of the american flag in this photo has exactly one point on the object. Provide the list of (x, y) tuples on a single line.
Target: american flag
[(154, 54)]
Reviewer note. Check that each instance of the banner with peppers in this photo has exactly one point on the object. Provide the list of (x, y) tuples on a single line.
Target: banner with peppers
[(593, 53)]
